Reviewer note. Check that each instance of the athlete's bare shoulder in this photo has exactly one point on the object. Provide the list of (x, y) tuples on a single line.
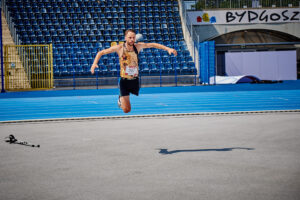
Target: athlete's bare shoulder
[(140, 45), (116, 48)]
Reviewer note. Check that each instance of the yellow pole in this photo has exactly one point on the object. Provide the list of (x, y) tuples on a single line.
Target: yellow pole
[(6, 74)]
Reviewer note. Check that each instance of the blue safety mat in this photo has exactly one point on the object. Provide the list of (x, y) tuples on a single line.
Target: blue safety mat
[(165, 100)]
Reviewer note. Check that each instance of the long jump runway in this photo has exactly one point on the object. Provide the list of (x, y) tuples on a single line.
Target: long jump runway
[(250, 153)]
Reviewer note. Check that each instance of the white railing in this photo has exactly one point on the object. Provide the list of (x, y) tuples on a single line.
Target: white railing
[(10, 23), (216, 4), (189, 34)]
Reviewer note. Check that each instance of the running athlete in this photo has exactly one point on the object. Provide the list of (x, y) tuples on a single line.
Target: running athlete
[(128, 57)]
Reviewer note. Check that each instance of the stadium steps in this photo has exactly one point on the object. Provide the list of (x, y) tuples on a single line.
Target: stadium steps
[(17, 75), (6, 35)]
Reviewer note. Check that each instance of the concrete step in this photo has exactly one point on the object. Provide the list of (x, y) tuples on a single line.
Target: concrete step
[(17, 75), (6, 34)]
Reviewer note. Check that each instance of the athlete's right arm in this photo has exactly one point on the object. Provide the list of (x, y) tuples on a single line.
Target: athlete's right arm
[(101, 53)]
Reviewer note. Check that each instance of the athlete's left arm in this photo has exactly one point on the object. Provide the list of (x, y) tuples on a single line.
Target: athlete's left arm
[(142, 45)]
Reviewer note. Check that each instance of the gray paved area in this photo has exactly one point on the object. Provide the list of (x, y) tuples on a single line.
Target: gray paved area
[(251, 156)]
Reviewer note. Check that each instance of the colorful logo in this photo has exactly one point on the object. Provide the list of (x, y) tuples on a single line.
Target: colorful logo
[(205, 18)]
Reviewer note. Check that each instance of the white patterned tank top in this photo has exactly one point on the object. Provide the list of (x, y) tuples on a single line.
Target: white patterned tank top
[(129, 67)]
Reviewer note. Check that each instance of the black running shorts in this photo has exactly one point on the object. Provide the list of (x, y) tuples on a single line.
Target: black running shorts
[(129, 86)]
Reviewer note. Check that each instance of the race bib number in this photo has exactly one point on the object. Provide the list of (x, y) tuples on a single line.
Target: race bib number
[(131, 71)]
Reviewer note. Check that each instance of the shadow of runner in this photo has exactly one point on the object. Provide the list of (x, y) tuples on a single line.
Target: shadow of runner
[(165, 151)]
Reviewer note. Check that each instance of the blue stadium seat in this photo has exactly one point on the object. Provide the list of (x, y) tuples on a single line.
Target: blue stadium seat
[(115, 38), (169, 68), (154, 70), (166, 37), (129, 10), (103, 70), (192, 68), (93, 39), (162, 69), (63, 71), (114, 69), (144, 69), (177, 68), (56, 70), (120, 10), (100, 38)]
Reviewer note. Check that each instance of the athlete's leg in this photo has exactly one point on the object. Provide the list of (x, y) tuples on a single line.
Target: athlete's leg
[(125, 104), (124, 101)]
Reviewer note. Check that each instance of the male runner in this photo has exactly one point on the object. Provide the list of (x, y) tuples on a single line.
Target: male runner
[(129, 82)]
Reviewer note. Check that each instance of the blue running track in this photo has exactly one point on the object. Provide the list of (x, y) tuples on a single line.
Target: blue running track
[(15, 106)]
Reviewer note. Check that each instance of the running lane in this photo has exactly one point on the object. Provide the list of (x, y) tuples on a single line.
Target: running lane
[(172, 100)]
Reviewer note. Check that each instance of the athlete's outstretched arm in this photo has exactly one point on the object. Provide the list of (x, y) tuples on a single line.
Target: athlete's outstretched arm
[(142, 45), (100, 54)]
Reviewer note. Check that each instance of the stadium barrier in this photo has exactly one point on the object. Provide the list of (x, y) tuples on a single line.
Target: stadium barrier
[(243, 4), (98, 81), (28, 67), (207, 62)]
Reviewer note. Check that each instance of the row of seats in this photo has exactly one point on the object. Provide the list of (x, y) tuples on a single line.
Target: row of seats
[(96, 36), (109, 60), (89, 50), (82, 58), (29, 32), (101, 27), (90, 4), (69, 69), (133, 20), (85, 39), (72, 1), (61, 47), (26, 15), (56, 22), (84, 10), (93, 33), (66, 31)]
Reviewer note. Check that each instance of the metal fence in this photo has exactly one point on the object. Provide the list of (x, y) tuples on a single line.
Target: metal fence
[(98, 81), (213, 4), (28, 67)]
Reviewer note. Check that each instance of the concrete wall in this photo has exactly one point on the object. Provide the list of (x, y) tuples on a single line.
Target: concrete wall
[(207, 32)]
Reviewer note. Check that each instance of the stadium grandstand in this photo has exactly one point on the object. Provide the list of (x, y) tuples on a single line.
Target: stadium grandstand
[(78, 29)]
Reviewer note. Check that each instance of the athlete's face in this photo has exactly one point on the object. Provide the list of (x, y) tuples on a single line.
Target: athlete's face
[(130, 38)]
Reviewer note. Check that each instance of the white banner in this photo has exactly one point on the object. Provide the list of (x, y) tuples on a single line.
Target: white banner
[(266, 65), (244, 16)]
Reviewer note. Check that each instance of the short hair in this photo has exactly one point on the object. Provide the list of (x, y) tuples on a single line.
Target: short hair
[(129, 30)]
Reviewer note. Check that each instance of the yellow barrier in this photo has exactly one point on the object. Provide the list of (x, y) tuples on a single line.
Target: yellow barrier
[(28, 67)]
